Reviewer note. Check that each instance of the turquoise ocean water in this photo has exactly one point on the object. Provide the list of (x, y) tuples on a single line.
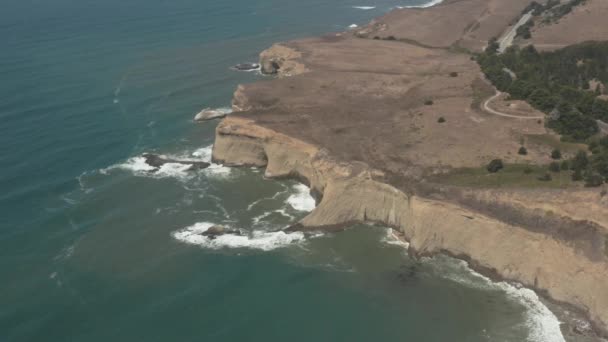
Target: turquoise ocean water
[(95, 248)]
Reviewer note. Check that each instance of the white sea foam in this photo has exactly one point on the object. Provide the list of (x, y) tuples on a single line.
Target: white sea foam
[(365, 8), (542, 324), (301, 200), (261, 240), (173, 170), (181, 171), (426, 5), (352, 26), (214, 170), (204, 153), (256, 220), (391, 238), (139, 167)]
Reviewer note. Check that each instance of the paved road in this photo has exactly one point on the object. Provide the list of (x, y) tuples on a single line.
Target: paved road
[(487, 108)]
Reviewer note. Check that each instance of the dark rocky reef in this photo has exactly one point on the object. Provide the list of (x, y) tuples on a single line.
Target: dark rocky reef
[(156, 161), (215, 231)]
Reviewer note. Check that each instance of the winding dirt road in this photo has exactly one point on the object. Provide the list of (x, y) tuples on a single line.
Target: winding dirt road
[(487, 108)]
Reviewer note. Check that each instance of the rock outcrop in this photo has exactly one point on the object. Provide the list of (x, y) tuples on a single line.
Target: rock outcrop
[(282, 61), (353, 192), (157, 161), (216, 231)]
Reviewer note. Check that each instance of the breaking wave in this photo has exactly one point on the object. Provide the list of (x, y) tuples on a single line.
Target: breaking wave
[(365, 8), (391, 238), (138, 166), (426, 5), (542, 324), (301, 200), (261, 240)]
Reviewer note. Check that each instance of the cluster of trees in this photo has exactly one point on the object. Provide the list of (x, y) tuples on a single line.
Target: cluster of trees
[(557, 12), (524, 30), (556, 83), (592, 169), (552, 9)]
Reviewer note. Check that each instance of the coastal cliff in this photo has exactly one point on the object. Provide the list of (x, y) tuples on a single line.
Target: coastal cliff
[(369, 133), (350, 193)]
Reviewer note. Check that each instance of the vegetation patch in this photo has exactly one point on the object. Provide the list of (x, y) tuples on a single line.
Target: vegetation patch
[(557, 83), (510, 176)]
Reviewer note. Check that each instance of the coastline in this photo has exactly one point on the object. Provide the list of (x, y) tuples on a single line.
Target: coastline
[(352, 191), (439, 227)]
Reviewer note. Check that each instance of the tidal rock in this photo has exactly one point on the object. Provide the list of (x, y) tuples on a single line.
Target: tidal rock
[(215, 231), (246, 66), (156, 161), (210, 114)]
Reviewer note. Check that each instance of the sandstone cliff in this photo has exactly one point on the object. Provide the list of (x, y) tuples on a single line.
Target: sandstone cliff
[(352, 192), (359, 124)]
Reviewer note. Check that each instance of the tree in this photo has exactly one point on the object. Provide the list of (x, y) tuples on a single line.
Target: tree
[(495, 166), (593, 180), (543, 100), (565, 165), (428, 102), (554, 167), (556, 154), (580, 161), (577, 175), (493, 46), (523, 151), (441, 119)]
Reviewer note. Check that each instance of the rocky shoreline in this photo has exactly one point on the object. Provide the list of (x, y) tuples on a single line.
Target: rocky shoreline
[(334, 141), (349, 194)]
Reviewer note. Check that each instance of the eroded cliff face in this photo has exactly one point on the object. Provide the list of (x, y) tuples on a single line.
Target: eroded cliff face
[(353, 192), (282, 61)]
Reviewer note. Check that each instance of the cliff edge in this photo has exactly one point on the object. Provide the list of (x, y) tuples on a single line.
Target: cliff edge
[(370, 123)]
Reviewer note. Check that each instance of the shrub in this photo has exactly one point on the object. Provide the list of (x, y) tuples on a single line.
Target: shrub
[(428, 102), (565, 165), (528, 170), (376, 38), (554, 167), (495, 166), (556, 154), (580, 161), (391, 38), (453, 74), (545, 178), (523, 151), (441, 120), (593, 180), (577, 175)]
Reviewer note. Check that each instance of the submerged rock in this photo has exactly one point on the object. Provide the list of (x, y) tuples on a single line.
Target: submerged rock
[(210, 114), (156, 161), (215, 231)]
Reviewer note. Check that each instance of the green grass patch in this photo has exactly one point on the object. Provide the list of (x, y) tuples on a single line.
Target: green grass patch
[(554, 142), (481, 92), (512, 176)]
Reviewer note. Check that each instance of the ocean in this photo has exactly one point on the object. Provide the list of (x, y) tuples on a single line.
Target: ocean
[(94, 246)]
